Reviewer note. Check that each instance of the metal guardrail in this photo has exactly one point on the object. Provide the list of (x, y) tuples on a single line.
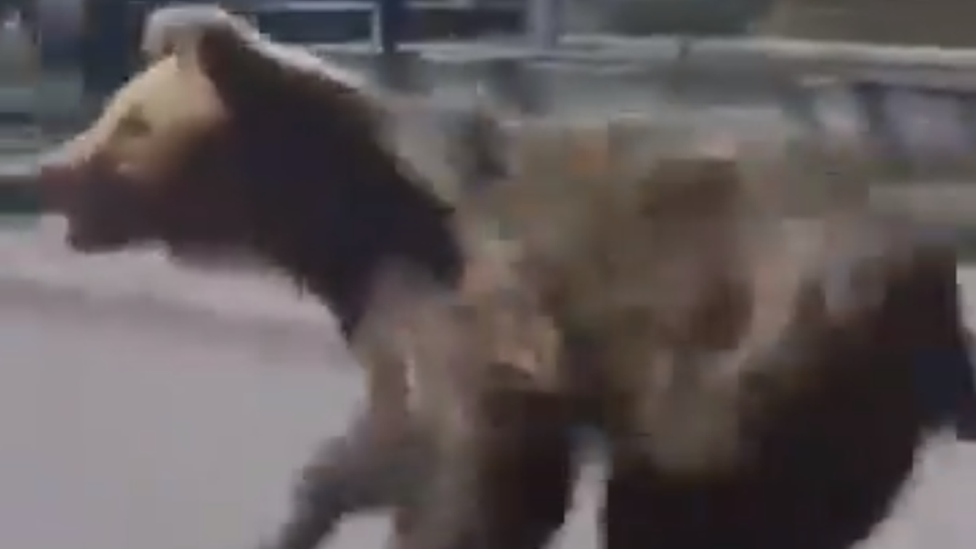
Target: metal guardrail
[(915, 108), (912, 112), (916, 105)]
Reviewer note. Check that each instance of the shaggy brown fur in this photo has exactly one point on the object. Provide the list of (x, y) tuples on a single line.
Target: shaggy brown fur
[(733, 350)]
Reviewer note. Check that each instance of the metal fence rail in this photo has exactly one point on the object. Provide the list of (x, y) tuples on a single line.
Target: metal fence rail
[(915, 108)]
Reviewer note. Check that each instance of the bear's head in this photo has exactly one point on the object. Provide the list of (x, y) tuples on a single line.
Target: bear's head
[(228, 141), (192, 149)]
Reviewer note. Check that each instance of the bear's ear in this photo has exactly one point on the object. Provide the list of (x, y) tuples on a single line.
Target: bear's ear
[(254, 75), (165, 27), (226, 49), (258, 79), (232, 59)]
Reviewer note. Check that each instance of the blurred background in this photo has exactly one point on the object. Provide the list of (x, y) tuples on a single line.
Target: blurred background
[(53, 50), (883, 71)]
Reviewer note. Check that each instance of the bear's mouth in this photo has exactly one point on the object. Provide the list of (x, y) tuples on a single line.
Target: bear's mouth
[(102, 213), (90, 238), (105, 221)]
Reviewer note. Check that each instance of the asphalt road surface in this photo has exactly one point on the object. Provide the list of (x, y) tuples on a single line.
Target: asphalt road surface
[(131, 426)]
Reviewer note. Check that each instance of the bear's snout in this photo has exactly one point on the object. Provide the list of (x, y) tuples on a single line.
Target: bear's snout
[(102, 209), (58, 181), (63, 180), (55, 178)]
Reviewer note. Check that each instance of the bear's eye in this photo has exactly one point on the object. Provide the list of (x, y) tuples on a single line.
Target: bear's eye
[(134, 125)]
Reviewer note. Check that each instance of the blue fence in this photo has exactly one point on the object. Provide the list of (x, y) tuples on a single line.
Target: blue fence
[(101, 37)]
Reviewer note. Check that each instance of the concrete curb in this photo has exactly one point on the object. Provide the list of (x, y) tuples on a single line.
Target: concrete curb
[(36, 266)]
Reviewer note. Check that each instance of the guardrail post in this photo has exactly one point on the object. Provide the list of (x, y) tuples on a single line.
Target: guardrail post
[(545, 23), (870, 98), (109, 45), (389, 24), (58, 32), (400, 71), (511, 84), (799, 104)]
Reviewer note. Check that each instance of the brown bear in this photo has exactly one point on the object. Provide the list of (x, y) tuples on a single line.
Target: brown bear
[(178, 122), (734, 353)]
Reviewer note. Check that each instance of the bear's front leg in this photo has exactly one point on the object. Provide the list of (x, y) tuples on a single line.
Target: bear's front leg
[(503, 481), (372, 467)]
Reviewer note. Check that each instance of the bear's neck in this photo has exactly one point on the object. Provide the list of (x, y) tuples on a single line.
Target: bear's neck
[(382, 218)]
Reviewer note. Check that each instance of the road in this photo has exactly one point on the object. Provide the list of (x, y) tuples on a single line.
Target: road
[(131, 425)]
